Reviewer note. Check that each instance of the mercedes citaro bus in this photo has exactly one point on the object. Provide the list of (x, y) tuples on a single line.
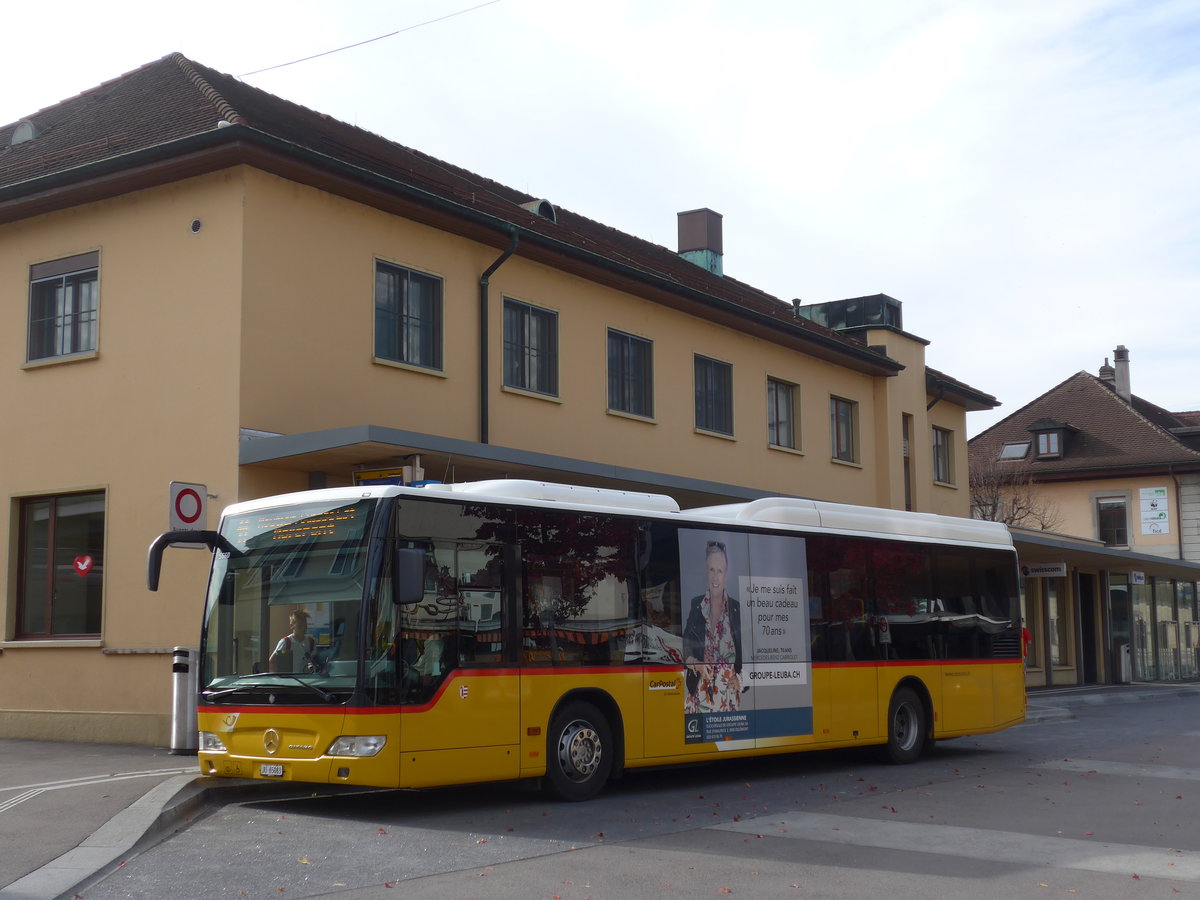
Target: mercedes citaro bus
[(445, 634)]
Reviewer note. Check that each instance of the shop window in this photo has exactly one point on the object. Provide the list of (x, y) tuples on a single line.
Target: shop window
[(60, 566)]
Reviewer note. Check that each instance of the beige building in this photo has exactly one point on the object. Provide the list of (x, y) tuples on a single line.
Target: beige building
[(203, 283), (1091, 459)]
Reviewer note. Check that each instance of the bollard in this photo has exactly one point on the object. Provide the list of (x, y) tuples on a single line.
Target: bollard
[(184, 683)]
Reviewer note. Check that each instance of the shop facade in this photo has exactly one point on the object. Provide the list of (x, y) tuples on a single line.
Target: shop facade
[(1099, 616)]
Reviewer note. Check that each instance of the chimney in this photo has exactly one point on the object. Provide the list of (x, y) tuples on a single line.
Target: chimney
[(1108, 374), (700, 239), (1121, 360)]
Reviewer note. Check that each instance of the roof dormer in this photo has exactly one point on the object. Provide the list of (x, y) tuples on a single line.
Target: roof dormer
[(1050, 438)]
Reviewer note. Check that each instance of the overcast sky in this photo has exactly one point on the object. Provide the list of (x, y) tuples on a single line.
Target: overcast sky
[(1023, 176)]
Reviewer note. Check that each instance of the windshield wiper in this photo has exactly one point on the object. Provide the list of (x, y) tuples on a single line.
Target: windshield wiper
[(263, 685)]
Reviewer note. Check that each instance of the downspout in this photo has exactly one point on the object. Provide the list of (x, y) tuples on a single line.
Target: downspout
[(483, 334), (1178, 506)]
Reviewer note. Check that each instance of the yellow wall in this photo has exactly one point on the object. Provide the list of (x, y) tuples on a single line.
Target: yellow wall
[(307, 359), (1076, 503), (155, 404)]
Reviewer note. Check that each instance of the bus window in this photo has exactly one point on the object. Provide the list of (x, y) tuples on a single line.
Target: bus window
[(974, 596), (659, 639), (902, 593), (838, 575), (577, 588)]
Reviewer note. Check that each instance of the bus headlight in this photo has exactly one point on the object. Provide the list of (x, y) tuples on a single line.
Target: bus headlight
[(357, 745), (210, 743)]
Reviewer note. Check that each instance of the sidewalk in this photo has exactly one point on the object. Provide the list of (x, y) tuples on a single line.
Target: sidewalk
[(71, 812)]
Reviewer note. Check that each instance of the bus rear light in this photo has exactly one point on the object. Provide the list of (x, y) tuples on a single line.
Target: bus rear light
[(210, 743), (357, 745)]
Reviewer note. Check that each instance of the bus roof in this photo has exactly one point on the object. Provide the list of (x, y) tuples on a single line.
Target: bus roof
[(789, 512)]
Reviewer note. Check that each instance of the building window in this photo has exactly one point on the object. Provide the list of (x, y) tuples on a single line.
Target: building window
[(1049, 444), (408, 316), (530, 347), (63, 298), (1112, 521), (1016, 450), (943, 456), (60, 566), (843, 427), (630, 374), (714, 395), (781, 414)]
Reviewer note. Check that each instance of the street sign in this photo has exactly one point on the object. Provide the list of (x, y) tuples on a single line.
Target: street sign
[(188, 508)]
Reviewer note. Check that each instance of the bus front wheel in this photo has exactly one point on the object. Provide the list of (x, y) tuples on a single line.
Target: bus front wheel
[(907, 728), (580, 752)]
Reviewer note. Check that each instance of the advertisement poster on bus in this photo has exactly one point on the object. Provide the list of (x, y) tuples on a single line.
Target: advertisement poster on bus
[(748, 669)]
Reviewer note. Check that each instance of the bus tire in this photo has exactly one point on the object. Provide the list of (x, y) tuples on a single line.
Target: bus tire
[(907, 727), (579, 752)]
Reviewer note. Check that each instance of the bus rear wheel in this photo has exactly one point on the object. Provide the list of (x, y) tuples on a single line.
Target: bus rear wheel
[(579, 752), (907, 727)]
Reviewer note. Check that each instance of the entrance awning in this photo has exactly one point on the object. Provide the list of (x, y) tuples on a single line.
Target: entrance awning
[(1044, 547), (339, 452)]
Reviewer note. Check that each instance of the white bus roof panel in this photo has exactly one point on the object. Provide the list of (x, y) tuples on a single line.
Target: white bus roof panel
[(861, 519), (545, 491)]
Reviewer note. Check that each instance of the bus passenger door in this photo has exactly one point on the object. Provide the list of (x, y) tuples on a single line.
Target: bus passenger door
[(459, 692)]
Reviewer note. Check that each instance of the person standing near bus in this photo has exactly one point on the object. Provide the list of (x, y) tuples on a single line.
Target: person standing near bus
[(712, 641), (294, 652)]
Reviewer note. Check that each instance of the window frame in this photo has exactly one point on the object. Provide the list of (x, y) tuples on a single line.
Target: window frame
[(528, 367), (1014, 450), (1049, 444), (630, 374), (943, 455), (1102, 527), (73, 332), (56, 550), (407, 328), (712, 380), (843, 429), (783, 413)]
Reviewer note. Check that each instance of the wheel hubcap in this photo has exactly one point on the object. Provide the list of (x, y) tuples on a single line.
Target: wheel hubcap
[(905, 727), (579, 751)]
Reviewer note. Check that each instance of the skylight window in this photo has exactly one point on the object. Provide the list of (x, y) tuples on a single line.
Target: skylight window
[(1015, 450)]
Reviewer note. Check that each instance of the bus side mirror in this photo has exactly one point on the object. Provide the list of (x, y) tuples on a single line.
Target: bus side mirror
[(408, 576), (211, 539)]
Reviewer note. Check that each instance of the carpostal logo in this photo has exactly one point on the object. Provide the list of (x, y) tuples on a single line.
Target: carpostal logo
[(664, 684)]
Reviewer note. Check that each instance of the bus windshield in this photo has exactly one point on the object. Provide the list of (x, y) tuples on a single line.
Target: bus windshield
[(284, 606)]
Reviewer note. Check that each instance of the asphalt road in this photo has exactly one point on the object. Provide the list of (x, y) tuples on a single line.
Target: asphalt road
[(1103, 805)]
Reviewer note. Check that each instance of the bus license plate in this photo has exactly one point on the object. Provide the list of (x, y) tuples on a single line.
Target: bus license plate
[(270, 770)]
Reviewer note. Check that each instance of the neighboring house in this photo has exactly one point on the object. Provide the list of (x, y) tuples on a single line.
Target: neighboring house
[(1123, 474), (204, 283)]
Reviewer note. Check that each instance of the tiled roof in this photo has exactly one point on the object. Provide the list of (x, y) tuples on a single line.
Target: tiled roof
[(1108, 433), (174, 99)]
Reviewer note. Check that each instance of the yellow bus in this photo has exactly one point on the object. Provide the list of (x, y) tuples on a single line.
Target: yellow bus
[(396, 636)]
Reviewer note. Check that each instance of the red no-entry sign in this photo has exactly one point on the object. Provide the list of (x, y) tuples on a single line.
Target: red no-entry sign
[(188, 506)]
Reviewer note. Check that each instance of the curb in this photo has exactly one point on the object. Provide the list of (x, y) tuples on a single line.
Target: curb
[(147, 821)]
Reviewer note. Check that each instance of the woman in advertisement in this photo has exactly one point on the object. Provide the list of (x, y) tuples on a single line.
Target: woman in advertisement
[(712, 641)]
